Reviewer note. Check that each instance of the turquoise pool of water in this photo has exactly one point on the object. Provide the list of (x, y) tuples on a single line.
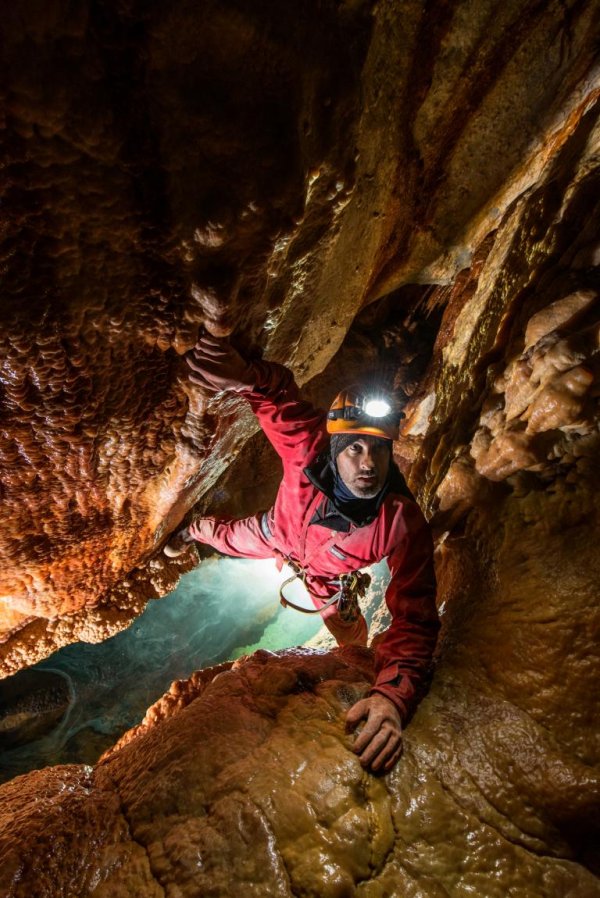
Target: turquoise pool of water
[(220, 610), (224, 608)]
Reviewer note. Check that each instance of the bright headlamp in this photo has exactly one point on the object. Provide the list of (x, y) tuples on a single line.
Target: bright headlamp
[(376, 408), (372, 414)]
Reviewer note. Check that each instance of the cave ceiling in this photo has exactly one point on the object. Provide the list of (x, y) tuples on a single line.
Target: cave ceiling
[(407, 189)]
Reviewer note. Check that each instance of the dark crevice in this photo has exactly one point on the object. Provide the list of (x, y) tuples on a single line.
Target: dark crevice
[(389, 346)]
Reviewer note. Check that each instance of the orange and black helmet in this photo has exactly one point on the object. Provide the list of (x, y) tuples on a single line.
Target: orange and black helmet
[(354, 412)]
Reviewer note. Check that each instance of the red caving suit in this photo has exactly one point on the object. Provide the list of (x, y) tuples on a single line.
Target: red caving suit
[(399, 533)]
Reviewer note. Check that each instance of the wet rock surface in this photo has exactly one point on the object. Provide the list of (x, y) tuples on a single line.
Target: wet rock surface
[(159, 179), (31, 704), (242, 779), (405, 190)]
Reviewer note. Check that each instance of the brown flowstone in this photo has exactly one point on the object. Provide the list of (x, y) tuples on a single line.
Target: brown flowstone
[(250, 785), (399, 188)]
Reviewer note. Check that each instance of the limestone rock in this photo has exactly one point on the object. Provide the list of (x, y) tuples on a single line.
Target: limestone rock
[(251, 786), (31, 703), (395, 188), (255, 174)]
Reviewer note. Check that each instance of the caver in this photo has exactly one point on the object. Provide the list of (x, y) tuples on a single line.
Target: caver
[(342, 505)]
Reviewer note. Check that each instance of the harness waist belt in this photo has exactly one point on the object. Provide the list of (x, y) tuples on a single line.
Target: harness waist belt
[(352, 586)]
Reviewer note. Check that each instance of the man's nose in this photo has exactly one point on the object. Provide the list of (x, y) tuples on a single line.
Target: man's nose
[(368, 459)]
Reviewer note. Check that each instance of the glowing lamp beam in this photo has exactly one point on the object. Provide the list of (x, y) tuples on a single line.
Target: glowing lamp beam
[(377, 408)]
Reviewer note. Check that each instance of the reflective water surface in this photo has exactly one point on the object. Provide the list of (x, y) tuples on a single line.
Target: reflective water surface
[(220, 610), (224, 608)]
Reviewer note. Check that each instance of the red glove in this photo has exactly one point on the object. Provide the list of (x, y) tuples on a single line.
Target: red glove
[(216, 365)]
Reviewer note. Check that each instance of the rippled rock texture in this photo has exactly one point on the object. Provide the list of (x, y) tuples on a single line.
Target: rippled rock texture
[(168, 168), (408, 188)]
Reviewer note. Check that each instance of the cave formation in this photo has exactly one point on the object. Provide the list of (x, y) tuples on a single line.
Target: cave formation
[(345, 187)]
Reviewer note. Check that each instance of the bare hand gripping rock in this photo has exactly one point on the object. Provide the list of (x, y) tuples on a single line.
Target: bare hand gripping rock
[(215, 365)]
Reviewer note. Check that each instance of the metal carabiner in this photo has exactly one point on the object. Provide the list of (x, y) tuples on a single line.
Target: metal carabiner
[(354, 586), (298, 575)]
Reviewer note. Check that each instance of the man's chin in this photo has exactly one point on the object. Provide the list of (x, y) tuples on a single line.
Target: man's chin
[(365, 492)]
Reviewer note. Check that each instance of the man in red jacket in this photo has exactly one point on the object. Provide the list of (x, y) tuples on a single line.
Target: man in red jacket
[(342, 505)]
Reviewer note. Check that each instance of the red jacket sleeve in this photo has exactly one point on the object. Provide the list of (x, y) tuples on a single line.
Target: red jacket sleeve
[(403, 657), (293, 427)]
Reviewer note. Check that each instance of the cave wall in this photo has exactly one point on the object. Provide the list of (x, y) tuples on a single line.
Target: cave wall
[(513, 481), (159, 179), (443, 233), (242, 779), (155, 168)]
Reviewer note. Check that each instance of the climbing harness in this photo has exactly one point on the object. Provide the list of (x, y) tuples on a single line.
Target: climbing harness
[(352, 587)]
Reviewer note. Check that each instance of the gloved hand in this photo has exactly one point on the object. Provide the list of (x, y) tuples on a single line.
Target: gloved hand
[(215, 365)]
